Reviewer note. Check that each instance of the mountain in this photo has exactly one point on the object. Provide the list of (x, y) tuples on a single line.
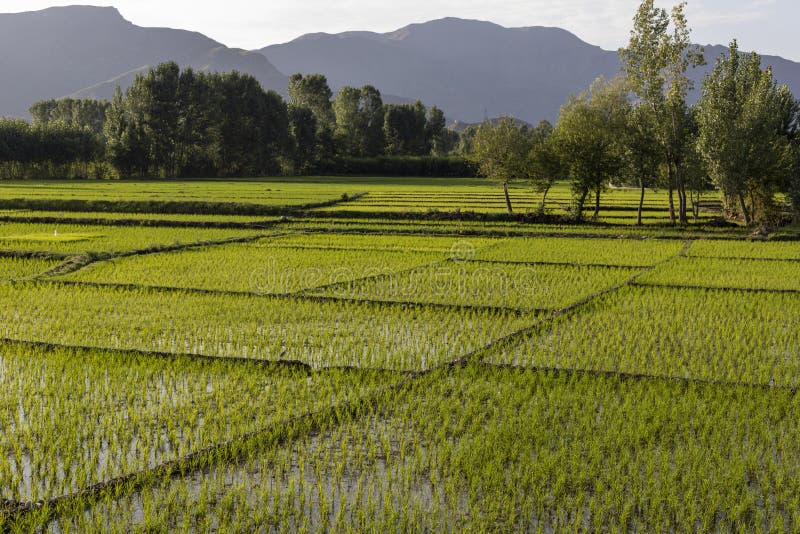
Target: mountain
[(87, 51), (472, 69), (220, 59)]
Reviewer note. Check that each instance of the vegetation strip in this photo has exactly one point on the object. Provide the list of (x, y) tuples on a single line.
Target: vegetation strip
[(559, 263), (79, 261), (712, 288), (174, 207), (35, 255), (738, 258), (165, 223), (512, 232), (293, 364), (300, 295), (635, 376)]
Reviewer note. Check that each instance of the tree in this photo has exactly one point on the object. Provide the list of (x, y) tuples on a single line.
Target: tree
[(125, 148), (655, 63), (543, 164), (254, 126), (643, 156), (303, 134), (500, 150), (436, 132), (405, 130), (359, 121), (76, 113), (588, 137), (745, 134), (313, 92)]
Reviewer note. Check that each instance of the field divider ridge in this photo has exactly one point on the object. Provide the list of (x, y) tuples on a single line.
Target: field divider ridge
[(154, 223), (632, 376), (76, 262), (712, 288), (558, 264), (35, 255)]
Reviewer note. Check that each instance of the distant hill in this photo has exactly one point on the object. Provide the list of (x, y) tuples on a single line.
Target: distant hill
[(472, 69), (87, 51)]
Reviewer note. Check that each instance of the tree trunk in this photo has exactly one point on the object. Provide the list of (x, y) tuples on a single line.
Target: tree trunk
[(596, 204), (581, 201), (671, 180), (508, 199), (544, 198), (681, 185), (743, 207), (641, 203)]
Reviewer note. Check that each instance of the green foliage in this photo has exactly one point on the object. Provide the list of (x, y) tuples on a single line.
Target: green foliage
[(54, 148), (746, 124), (75, 113), (655, 62), (171, 123), (589, 139), (405, 130), (500, 150), (359, 122)]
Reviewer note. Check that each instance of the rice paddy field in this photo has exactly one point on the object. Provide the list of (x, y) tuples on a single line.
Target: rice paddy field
[(371, 366)]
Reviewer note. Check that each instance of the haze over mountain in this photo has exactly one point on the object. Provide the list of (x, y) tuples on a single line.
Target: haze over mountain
[(470, 69)]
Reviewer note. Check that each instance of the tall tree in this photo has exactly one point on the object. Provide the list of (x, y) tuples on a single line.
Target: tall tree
[(745, 133), (436, 132), (254, 127), (303, 135), (405, 130), (359, 121), (656, 62), (312, 91), (500, 150), (589, 137), (643, 157), (544, 163)]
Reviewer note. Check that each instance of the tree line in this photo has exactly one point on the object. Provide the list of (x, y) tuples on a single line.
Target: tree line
[(637, 130), (183, 123)]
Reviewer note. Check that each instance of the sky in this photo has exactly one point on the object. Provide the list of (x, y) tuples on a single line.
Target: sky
[(767, 26)]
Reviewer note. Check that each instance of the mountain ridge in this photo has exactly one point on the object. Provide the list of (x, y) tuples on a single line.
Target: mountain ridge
[(469, 68), (472, 68)]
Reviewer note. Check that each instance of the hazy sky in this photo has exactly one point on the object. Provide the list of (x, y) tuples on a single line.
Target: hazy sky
[(768, 26)]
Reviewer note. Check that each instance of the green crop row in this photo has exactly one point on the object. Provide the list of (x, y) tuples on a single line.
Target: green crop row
[(321, 334), (729, 273), (485, 450), (73, 418), (687, 333), (77, 239), (16, 268)]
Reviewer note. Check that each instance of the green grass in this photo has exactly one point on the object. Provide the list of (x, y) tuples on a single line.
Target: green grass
[(483, 450), (79, 239), (425, 373)]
